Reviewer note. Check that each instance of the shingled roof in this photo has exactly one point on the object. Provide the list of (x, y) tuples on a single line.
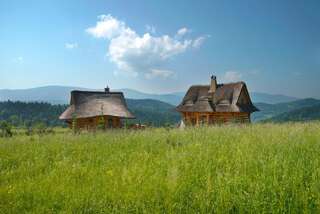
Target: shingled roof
[(224, 99), (85, 104)]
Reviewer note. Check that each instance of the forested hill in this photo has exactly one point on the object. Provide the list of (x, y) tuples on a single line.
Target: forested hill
[(147, 111), (302, 114), (154, 112), (268, 111), (26, 114)]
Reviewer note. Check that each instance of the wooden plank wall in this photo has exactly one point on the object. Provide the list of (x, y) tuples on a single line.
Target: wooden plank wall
[(94, 122), (197, 118)]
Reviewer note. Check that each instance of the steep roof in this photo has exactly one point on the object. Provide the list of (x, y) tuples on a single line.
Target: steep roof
[(85, 104), (225, 99)]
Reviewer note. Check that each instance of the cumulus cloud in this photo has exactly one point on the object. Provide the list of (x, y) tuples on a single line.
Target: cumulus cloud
[(232, 76), (182, 31), (198, 41), (136, 54), (164, 74), (71, 45), (107, 27)]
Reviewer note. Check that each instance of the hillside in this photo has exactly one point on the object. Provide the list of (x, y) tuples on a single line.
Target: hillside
[(271, 110), (25, 114), (302, 114), (151, 112)]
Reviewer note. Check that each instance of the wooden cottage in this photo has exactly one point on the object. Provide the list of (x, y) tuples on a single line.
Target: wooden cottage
[(216, 103), (90, 109)]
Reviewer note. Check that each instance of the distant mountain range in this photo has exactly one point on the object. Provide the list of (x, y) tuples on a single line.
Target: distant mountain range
[(61, 95), (258, 97), (50, 94), (172, 98)]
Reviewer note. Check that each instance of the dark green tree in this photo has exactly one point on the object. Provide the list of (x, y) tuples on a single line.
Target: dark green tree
[(5, 129)]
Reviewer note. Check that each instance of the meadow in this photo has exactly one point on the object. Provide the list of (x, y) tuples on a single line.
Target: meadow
[(259, 168)]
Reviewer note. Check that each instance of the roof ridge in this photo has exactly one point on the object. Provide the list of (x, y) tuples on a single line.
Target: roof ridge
[(199, 85), (98, 92)]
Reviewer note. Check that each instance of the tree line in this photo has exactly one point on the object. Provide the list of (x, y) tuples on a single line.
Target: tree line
[(22, 114), (30, 114)]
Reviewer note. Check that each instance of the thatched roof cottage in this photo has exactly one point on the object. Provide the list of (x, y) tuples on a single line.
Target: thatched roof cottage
[(216, 103), (91, 108)]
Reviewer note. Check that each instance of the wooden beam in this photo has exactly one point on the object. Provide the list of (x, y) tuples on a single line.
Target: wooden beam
[(197, 119)]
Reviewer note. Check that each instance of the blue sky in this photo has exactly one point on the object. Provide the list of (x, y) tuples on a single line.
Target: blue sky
[(161, 46)]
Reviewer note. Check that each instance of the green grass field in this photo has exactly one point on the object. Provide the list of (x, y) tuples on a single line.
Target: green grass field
[(261, 168)]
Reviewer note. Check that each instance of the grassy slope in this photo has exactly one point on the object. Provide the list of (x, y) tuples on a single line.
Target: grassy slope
[(221, 169)]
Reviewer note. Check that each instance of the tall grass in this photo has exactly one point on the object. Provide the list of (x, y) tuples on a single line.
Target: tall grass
[(256, 168)]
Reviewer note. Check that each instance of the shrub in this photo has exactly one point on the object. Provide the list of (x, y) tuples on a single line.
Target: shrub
[(40, 128), (5, 129), (28, 130)]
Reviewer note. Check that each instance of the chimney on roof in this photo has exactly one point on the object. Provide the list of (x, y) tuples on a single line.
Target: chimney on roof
[(213, 85), (107, 89)]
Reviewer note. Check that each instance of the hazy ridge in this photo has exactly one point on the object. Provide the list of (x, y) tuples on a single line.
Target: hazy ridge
[(61, 95)]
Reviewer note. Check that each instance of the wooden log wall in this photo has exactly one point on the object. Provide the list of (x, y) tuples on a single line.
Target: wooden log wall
[(93, 123), (198, 118)]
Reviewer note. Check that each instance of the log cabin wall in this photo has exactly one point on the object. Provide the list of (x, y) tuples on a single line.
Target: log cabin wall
[(93, 122), (199, 118)]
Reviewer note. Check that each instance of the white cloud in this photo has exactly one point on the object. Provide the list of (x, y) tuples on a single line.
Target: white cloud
[(182, 31), (198, 41), (71, 45), (107, 27), (164, 74), (133, 53), (139, 54), (232, 76)]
